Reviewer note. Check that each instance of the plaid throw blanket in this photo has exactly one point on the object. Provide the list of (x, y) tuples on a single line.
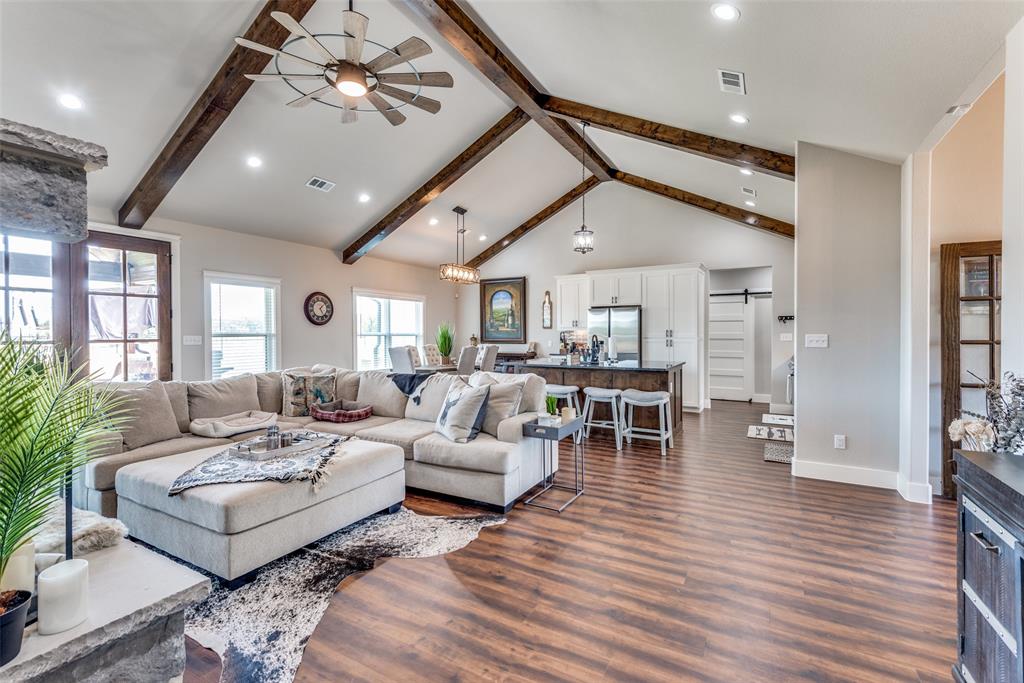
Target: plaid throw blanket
[(297, 465)]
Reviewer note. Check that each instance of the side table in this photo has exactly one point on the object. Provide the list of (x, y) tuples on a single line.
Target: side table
[(552, 436)]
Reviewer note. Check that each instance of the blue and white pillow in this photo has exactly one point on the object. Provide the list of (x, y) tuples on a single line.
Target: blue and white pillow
[(463, 412)]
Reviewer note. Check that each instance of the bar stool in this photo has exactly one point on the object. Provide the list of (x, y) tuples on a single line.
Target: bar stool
[(632, 398), (596, 395), (569, 394)]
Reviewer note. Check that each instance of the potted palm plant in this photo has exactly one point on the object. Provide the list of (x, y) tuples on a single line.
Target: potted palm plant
[(49, 415), (445, 340)]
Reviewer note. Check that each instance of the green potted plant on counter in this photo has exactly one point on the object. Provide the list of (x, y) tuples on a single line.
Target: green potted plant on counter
[(445, 340), (49, 416), (550, 417)]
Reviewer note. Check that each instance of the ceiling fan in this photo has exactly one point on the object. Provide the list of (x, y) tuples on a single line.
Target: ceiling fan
[(349, 77)]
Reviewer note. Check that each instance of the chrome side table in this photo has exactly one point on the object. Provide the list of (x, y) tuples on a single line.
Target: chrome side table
[(552, 436)]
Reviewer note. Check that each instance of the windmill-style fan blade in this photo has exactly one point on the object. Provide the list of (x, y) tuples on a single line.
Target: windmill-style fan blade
[(349, 113), (306, 99), (355, 25), (278, 53), (424, 103), (394, 117), (298, 29), (436, 79), (409, 49), (282, 77)]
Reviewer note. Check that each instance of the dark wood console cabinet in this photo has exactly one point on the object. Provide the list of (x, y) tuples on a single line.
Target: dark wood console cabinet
[(990, 553)]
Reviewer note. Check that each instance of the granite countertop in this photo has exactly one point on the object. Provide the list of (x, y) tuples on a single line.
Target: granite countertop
[(623, 365)]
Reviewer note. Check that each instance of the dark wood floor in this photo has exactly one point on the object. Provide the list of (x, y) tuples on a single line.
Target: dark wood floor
[(708, 565)]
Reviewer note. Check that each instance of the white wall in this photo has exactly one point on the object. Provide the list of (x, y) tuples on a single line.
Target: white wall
[(1013, 205), (636, 228), (848, 286), (302, 269)]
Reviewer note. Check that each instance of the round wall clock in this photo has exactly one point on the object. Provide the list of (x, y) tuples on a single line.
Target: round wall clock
[(318, 308)]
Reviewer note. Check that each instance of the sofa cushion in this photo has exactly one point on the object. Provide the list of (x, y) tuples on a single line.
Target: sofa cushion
[(483, 454), (377, 389), (150, 416), (269, 391), (402, 433), (349, 428), (177, 393), (534, 387), (222, 397), (502, 403), (346, 385), (99, 473), (302, 389), (431, 395), (232, 508), (229, 425), (463, 413)]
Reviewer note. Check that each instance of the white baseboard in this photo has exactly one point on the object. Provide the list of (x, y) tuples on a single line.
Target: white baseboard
[(914, 491), (780, 408), (762, 398), (846, 474)]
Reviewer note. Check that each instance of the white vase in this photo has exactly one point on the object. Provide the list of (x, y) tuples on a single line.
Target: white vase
[(63, 596), (21, 570)]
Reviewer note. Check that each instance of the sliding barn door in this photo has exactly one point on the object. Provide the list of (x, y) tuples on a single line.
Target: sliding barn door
[(731, 347)]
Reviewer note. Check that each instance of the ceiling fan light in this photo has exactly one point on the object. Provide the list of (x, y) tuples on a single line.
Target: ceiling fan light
[(350, 80)]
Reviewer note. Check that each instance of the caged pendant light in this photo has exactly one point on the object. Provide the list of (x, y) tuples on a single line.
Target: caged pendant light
[(457, 272), (583, 239)]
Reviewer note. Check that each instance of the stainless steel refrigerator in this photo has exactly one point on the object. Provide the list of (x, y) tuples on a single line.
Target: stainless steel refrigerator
[(620, 322)]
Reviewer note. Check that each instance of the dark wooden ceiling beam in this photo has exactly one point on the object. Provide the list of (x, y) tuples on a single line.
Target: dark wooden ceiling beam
[(534, 221), (442, 180), (735, 153), (746, 218), (208, 113), (463, 34)]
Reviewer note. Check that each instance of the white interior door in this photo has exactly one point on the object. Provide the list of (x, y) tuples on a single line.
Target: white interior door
[(731, 348)]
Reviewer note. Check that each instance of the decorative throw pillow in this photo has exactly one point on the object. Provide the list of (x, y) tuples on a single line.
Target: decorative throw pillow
[(431, 396), (301, 390), (377, 389), (534, 387), (269, 391), (229, 425), (222, 397), (150, 416), (502, 402), (341, 411), (463, 414)]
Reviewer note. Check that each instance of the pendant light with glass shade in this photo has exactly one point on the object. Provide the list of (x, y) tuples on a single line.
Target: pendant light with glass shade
[(458, 272), (583, 239)]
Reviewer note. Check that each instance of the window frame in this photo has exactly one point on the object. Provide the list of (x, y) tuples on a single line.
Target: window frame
[(217, 277), (383, 294)]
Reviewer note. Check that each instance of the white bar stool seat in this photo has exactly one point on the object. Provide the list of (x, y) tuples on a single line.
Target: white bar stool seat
[(632, 398), (594, 395), (570, 394)]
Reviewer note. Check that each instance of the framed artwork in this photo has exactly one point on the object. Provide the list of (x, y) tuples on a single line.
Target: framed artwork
[(546, 315), (503, 311)]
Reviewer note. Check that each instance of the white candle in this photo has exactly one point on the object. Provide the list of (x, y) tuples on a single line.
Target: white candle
[(63, 596), (20, 574)]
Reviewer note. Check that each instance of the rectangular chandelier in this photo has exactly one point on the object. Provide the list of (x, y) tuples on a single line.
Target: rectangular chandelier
[(460, 274)]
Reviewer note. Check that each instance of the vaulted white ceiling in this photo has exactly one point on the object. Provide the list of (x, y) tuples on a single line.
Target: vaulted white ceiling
[(868, 77)]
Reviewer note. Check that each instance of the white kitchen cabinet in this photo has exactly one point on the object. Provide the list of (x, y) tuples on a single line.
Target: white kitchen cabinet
[(629, 289), (602, 289), (616, 289), (572, 299), (657, 303)]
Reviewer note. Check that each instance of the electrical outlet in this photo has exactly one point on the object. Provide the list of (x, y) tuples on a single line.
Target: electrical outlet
[(786, 336), (816, 341), (192, 340), (839, 441)]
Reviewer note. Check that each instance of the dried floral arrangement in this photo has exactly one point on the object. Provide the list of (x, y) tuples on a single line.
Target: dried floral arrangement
[(1002, 429)]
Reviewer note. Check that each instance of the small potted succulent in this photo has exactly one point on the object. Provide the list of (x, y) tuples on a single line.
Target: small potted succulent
[(551, 417), (445, 340)]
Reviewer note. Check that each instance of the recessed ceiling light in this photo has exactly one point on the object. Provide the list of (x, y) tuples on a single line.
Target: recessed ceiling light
[(746, 171), (363, 198), (505, 243), (483, 238), (433, 221), (750, 203), (725, 12), (70, 101), (738, 118), (254, 162)]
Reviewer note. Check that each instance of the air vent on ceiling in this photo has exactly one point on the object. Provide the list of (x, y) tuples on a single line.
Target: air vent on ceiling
[(732, 81), (749, 191), (320, 184)]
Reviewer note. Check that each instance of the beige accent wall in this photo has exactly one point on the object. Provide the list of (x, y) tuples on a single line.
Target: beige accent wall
[(1013, 204)]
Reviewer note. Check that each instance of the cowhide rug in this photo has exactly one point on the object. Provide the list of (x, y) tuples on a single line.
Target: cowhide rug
[(261, 629)]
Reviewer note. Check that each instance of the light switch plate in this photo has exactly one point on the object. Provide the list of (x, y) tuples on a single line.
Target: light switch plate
[(192, 340), (786, 336), (816, 341), (839, 441)]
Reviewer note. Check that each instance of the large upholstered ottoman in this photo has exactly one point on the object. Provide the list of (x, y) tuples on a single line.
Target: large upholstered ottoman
[(232, 529)]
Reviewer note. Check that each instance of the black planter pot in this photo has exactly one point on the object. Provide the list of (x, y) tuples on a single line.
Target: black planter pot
[(12, 626)]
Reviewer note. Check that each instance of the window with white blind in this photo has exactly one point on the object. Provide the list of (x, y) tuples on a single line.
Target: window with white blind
[(242, 324), (384, 320), (27, 289)]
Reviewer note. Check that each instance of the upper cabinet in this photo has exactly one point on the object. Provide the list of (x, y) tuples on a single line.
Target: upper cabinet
[(616, 289), (572, 301), (672, 301)]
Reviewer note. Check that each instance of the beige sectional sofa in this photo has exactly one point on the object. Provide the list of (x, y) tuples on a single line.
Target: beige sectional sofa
[(493, 468)]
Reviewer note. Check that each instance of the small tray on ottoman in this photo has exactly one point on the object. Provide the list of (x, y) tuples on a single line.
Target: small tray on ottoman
[(256, 449)]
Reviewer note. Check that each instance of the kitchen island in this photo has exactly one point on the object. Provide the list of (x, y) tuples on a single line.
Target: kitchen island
[(626, 374)]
